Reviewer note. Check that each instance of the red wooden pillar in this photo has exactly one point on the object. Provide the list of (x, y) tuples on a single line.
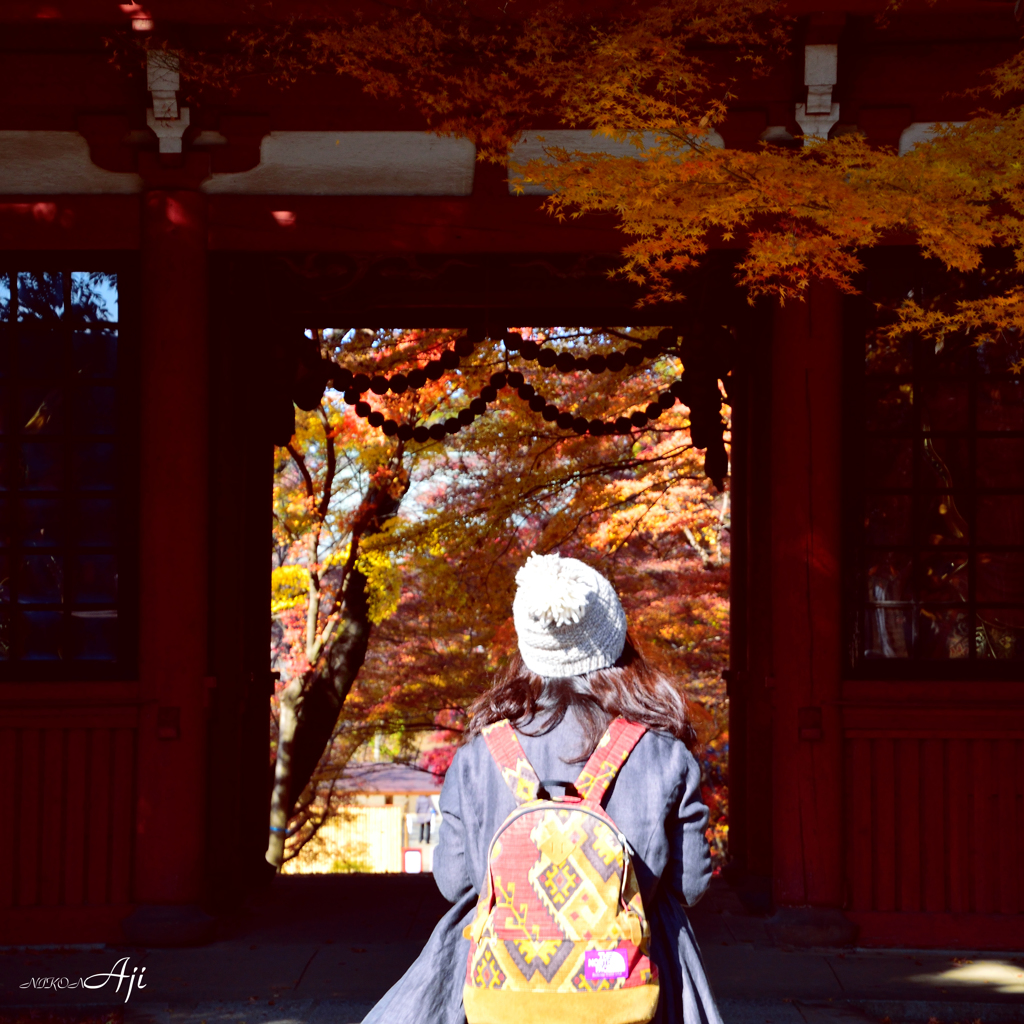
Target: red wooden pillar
[(805, 490), (170, 838)]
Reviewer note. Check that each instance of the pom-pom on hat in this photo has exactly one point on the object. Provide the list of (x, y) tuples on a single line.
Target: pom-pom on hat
[(568, 618)]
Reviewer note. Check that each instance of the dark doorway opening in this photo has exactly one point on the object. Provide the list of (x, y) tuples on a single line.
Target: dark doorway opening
[(262, 314)]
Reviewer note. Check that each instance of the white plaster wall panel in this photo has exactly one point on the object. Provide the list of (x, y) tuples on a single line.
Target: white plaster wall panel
[(56, 163), (533, 145), (920, 131), (821, 63), (355, 164)]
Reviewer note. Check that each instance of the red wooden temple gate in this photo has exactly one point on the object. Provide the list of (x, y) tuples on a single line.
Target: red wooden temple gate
[(877, 764)]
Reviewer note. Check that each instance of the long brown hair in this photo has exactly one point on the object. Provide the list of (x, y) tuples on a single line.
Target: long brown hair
[(630, 688)]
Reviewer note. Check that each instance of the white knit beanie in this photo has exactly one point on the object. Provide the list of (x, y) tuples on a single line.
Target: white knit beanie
[(568, 617)]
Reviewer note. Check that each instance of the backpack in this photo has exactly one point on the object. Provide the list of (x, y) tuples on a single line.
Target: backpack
[(560, 935)]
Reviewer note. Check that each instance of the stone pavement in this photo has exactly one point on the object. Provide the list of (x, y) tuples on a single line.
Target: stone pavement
[(322, 950)]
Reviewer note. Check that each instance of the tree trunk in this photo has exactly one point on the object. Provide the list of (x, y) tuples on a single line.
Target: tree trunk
[(310, 704)]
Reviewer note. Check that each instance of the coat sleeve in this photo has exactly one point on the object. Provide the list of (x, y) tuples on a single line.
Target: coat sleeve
[(450, 868), (688, 872)]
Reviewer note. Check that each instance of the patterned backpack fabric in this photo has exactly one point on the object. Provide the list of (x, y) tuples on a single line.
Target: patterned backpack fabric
[(560, 935)]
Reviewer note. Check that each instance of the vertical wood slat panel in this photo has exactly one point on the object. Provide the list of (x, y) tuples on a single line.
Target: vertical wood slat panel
[(1019, 819), (51, 811), (944, 825), (959, 827), (122, 816), (28, 819), (860, 800), (885, 825), (69, 794), (933, 822), (8, 813), (908, 823), (1007, 901), (98, 843), (849, 852), (982, 827), (74, 843)]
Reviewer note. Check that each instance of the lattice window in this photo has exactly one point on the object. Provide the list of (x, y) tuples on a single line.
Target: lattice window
[(63, 524), (937, 505)]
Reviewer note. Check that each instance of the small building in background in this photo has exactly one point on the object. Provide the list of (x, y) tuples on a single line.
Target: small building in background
[(390, 811)]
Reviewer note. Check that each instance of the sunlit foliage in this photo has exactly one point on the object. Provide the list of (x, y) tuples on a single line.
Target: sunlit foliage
[(661, 76), (441, 572)]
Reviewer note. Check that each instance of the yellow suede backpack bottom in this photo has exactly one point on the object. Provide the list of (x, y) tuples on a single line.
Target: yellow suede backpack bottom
[(560, 935)]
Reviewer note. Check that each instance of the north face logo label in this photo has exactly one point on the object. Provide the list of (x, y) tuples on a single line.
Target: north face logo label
[(605, 964)]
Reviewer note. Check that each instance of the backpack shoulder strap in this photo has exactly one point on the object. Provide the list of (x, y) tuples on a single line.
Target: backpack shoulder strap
[(606, 760), (507, 751)]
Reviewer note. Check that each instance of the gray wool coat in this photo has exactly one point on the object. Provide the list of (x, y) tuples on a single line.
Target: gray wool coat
[(655, 801)]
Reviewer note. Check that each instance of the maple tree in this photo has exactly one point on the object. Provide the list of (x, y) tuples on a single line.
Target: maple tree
[(426, 580), (661, 76)]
